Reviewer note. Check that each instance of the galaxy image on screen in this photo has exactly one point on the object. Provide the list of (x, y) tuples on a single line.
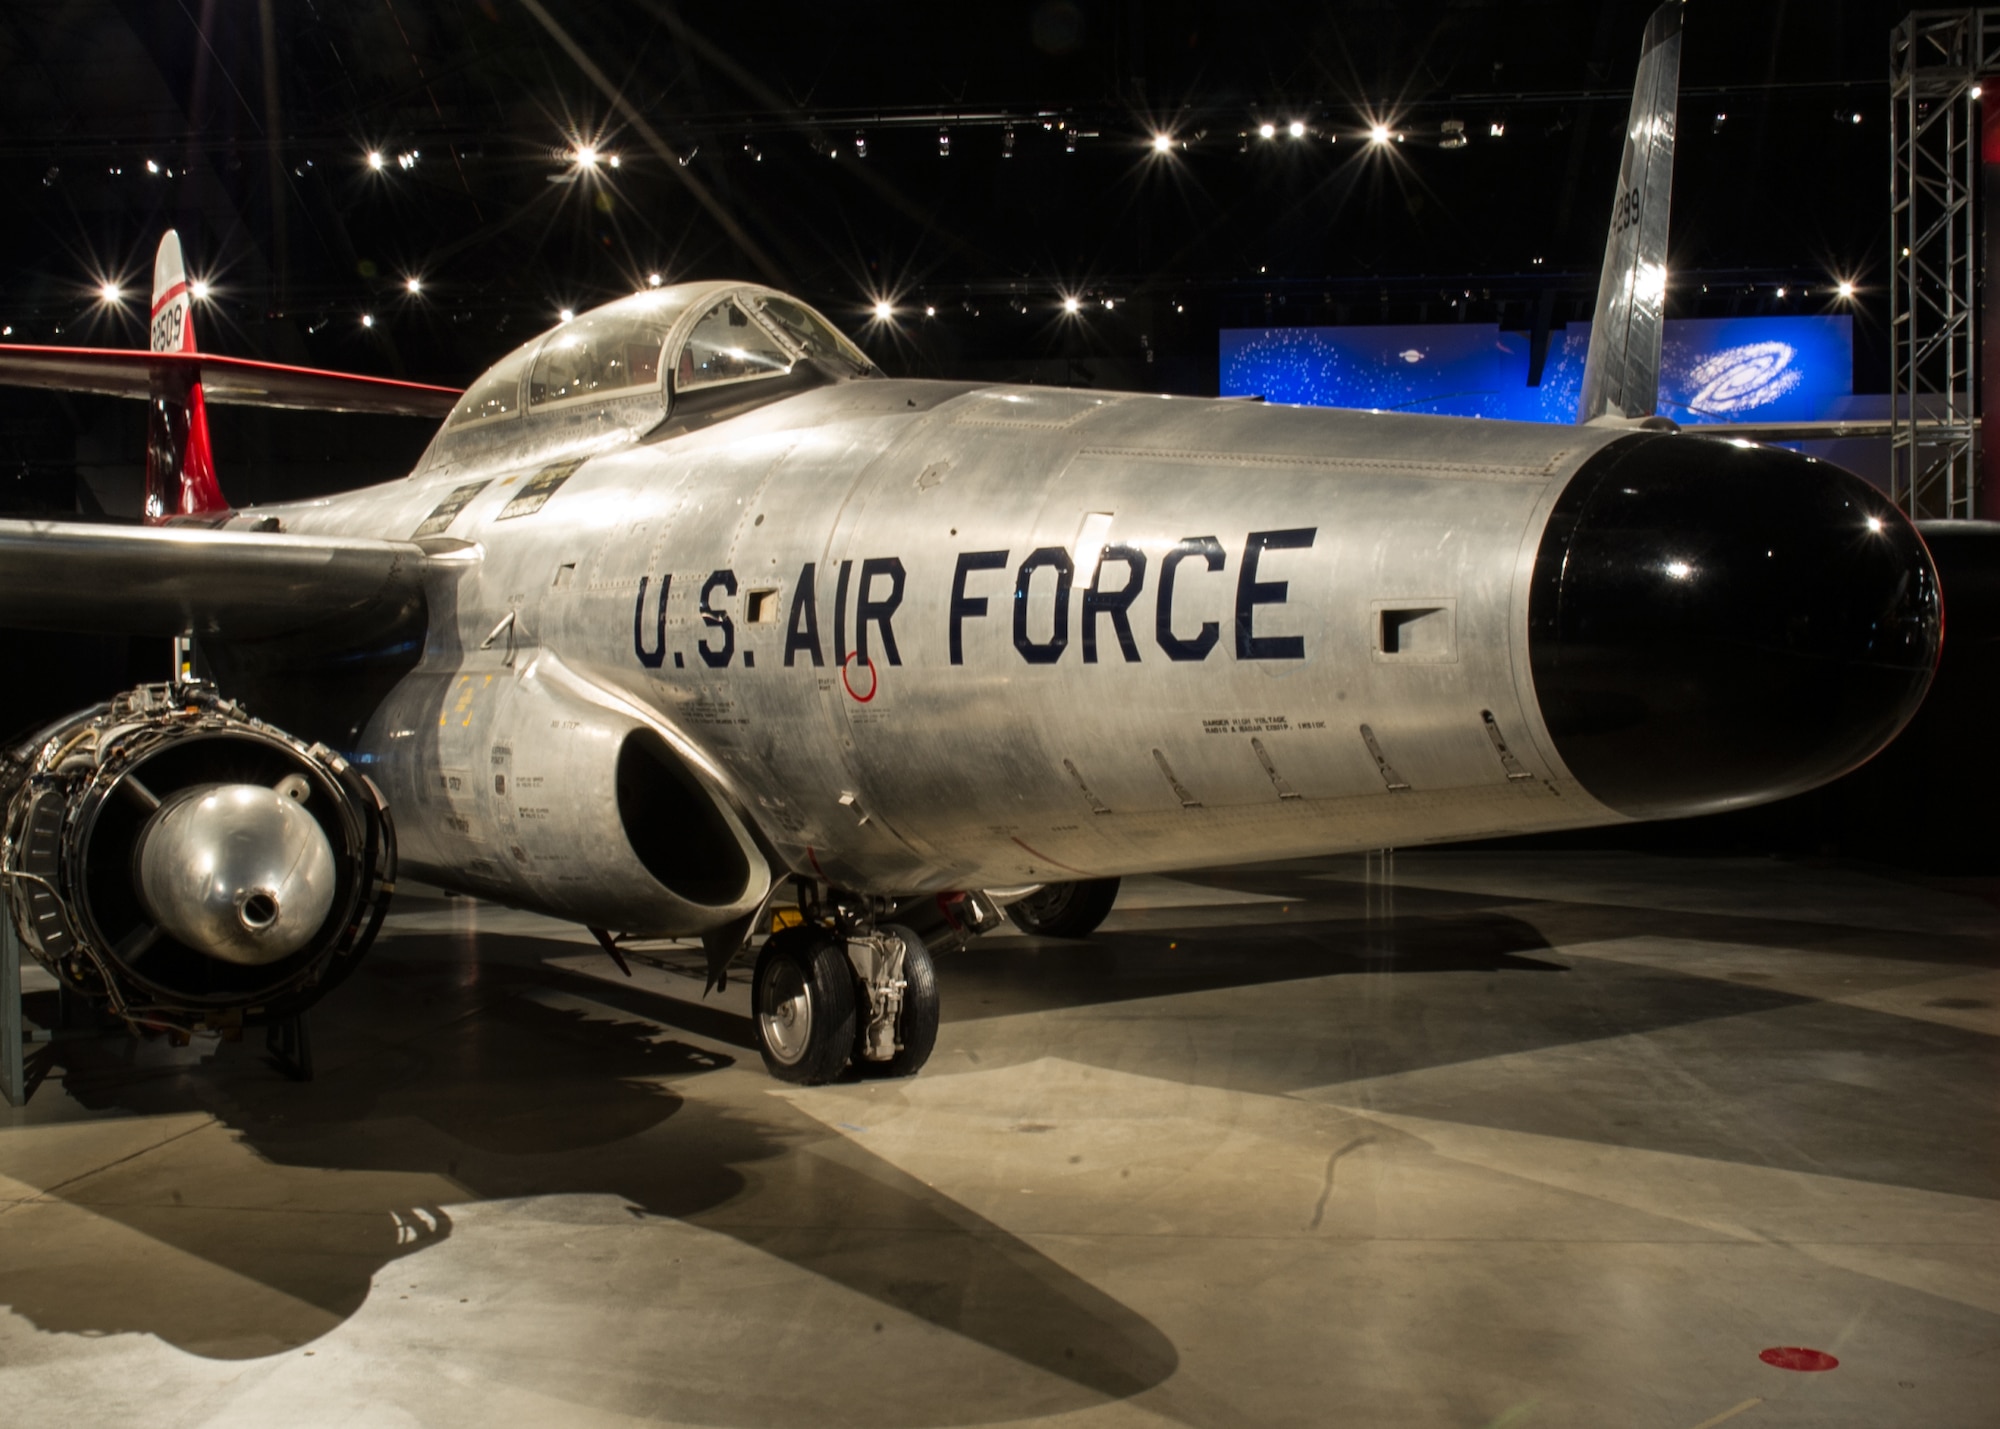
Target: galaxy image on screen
[(1712, 370)]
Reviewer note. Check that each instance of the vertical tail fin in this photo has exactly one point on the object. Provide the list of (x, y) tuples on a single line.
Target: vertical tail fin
[(1621, 373), (180, 470)]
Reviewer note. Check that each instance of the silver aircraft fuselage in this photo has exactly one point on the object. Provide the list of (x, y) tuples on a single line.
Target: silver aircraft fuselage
[(878, 593), (907, 636)]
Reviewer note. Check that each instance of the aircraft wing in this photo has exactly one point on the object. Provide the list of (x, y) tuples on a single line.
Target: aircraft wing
[(230, 585), (1827, 431), (239, 381)]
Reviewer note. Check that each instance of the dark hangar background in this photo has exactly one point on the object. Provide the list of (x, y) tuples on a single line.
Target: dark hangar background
[(246, 124), (971, 166)]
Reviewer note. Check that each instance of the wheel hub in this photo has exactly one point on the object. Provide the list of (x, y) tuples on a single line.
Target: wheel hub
[(785, 1012)]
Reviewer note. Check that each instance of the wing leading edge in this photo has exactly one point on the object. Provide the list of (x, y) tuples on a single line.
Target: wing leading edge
[(225, 585), (233, 381)]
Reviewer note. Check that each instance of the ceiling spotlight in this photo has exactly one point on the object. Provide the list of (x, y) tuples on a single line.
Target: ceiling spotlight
[(1451, 134), (1846, 288), (407, 159), (1781, 292), (368, 319), (1975, 95), (110, 292), (1072, 305), (1163, 143), (1109, 303), (1379, 133), (375, 160), (415, 285), (613, 161), (944, 143), (585, 156), (1496, 129), (1297, 129), (1267, 131), (860, 144), (1007, 142), (884, 310), (929, 311), (1975, 91), (567, 315), (653, 280), (199, 290), (151, 167)]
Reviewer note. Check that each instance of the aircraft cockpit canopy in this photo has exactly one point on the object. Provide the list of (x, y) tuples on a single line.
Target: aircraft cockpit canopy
[(603, 354), (616, 373)]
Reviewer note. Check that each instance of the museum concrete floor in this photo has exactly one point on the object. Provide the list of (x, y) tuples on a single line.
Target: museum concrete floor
[(1570, 1141)]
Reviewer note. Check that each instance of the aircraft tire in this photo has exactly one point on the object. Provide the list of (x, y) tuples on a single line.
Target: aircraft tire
[(1065, 910), (802, 1001), (920, 1012)]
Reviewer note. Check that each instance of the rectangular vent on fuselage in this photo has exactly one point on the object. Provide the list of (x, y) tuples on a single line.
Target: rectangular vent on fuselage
[(1421, 633), (760, 607)]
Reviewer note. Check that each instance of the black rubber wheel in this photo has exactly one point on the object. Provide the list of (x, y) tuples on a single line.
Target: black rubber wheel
[(802, 1000), (918, 1033), (1065, 910)]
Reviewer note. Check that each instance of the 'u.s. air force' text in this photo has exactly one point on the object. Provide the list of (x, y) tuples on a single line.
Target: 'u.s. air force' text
[(1113, 610)]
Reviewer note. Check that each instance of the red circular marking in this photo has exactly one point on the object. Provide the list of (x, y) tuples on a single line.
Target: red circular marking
[(874, 679), (1792, 1357)]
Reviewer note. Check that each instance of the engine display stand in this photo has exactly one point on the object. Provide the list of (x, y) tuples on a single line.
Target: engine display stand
[(289, 1046), (16, 1083), (13, 1062), (18, 1079)]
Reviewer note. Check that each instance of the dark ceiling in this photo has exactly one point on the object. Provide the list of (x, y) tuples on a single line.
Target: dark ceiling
[(246, 124)]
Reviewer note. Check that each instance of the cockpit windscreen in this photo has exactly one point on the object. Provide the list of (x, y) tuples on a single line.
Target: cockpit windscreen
[(728, 345)]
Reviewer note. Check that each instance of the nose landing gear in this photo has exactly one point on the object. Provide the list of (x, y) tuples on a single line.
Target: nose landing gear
[(822, 999)]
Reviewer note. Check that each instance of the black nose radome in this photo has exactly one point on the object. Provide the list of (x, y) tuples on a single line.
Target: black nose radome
[(1713, 624)]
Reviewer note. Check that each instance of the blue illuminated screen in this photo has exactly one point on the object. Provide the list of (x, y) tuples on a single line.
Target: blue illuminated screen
[(1765, 369)]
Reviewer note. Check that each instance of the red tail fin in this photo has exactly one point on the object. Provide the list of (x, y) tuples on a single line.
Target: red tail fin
[(180, 469)]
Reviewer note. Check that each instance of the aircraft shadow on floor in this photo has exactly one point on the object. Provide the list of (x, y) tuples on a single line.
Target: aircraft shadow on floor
[(449, 1076), (441, 1083), (1414, 1015)]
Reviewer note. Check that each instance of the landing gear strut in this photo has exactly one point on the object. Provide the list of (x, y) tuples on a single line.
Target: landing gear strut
[(827, 994)]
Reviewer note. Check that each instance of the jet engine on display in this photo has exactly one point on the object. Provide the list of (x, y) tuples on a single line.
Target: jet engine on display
[(189, 867)]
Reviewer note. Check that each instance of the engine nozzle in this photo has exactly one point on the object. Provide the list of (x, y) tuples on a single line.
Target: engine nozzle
[(240, 872)]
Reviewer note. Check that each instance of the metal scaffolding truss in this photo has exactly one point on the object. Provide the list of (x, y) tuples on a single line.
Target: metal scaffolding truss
[(1936, 59)]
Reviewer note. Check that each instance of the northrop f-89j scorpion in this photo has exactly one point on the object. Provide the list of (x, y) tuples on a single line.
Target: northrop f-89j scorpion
[(687, 605)]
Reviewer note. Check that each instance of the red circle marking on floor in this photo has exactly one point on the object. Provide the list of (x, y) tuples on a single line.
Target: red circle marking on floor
[(1792, 1357)]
